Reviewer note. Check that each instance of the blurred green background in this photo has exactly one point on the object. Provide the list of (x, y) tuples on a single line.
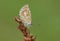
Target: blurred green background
[(45, 19)]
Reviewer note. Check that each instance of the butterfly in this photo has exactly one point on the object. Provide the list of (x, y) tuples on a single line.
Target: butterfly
[(25, 15)]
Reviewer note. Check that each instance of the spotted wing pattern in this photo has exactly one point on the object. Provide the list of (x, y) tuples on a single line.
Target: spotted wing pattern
[(25, 15)]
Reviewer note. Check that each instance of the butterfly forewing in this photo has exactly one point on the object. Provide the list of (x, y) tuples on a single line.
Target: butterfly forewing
[(25, 15)]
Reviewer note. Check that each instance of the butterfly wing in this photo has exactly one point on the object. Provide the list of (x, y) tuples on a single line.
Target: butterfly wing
[(25, 15)]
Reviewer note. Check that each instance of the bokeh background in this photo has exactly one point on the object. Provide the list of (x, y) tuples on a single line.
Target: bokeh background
[(45, 19)]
